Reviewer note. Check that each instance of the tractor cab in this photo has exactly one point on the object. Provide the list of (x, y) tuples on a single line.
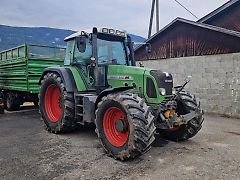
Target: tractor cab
[(93, 52)]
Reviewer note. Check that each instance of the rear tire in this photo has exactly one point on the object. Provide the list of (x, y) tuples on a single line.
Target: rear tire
[(186, 103), (56, 105), (137, 125)]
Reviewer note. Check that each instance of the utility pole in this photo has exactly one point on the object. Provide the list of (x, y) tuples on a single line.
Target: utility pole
[(151, 17), (157, 16)]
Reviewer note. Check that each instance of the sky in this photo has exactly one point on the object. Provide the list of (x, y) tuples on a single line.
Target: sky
[(130, 15)]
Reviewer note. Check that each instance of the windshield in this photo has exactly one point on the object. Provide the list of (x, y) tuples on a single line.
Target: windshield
[(111, 50)]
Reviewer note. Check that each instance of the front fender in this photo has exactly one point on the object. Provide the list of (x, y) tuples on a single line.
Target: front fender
[(111, 90)]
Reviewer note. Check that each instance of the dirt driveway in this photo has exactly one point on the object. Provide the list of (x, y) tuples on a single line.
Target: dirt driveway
[(27, 151)]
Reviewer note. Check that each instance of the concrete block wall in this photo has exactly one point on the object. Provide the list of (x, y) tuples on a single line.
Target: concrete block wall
[(215, 80)]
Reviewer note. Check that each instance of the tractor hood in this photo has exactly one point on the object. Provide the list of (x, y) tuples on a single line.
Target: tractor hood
[(121, 75), (154, 85)]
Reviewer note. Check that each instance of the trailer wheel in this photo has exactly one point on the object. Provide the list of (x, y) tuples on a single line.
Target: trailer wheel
[(185, 104), (55, 104), (124, 125), (36, 102), (1, 104), (1, 110), (11, 103)]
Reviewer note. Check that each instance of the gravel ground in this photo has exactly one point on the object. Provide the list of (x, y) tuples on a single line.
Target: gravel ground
[(27, 151)]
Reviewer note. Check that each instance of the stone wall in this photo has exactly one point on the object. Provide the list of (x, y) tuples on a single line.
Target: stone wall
[(215, 80)]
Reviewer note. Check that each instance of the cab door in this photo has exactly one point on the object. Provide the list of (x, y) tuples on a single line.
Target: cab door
[(82, 60)]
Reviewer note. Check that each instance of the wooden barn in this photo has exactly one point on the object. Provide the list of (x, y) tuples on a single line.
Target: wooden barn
[(216, 33)]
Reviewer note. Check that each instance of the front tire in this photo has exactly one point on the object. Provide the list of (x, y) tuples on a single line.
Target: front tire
[(55, 104), (124, 125), (186, 103)]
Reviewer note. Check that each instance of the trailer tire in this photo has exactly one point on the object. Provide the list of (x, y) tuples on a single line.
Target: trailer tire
[(124, 125), (1, 110), (36, 103), (1, 105), (10, 102), (56, 106)]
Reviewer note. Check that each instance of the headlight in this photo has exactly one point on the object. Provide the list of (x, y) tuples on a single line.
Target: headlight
[(162, 91)]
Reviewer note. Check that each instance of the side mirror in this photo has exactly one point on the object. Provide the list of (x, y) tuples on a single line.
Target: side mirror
[(148, 48), (81, 43)]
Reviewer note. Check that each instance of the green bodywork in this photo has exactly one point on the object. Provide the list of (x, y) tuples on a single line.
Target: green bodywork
[(117, 76), (120, 75), (82, 84), (21, 67)]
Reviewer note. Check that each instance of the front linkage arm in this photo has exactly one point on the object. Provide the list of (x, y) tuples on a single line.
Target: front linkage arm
[(180, 88), (168, 111), (178, 120)]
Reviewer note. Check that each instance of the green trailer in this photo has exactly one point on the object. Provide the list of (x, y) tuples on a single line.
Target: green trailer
[(20, 70)]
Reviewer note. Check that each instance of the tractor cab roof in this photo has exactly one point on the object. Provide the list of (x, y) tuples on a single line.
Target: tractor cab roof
[(105, 31), (72, 36)]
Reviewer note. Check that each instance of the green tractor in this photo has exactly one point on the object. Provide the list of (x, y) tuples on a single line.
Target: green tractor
[(100, 83)]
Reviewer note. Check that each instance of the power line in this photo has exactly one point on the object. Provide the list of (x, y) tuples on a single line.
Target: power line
[(186, 9)]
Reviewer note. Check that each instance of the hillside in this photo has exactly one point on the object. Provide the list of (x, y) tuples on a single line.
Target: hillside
[(14, 36)]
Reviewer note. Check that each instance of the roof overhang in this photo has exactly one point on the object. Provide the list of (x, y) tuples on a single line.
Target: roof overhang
[(219, 10), (193, 23)]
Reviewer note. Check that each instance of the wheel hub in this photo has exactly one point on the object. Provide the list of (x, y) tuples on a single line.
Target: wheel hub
[(121, 126)]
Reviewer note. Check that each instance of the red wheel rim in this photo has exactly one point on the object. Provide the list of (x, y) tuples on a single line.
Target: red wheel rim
[(111, 116), (53, 103)]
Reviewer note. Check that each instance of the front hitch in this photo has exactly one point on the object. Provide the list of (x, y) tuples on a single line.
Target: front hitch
[(179, 110), (175, 120)]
